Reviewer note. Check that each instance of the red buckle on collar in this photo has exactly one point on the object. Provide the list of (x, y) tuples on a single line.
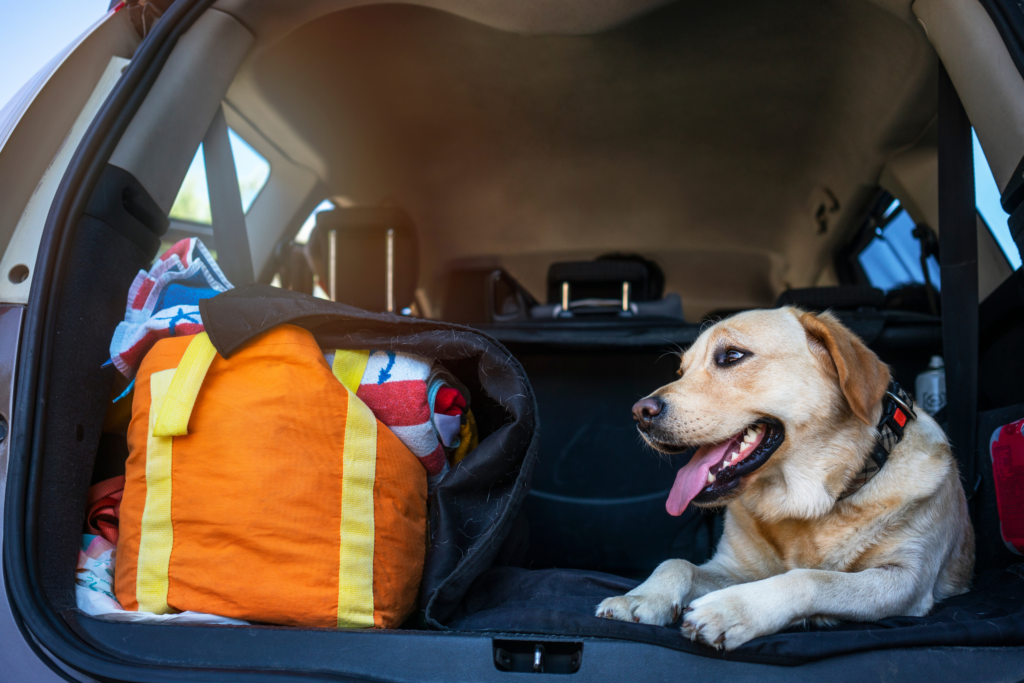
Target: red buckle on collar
[(900, 418)]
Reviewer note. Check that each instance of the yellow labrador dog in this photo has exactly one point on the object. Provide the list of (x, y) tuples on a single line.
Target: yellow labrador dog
[(831, 512)]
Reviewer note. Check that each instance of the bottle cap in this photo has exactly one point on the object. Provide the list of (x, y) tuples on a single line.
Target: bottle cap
[(935, 363)]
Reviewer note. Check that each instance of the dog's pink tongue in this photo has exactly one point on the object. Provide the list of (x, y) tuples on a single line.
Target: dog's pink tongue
[(693, 476)]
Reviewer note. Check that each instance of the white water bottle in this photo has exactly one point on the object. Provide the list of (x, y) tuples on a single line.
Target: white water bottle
[(931, 386)]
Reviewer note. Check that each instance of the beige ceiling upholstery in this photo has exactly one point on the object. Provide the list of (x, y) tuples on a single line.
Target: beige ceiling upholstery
[(702, 135)]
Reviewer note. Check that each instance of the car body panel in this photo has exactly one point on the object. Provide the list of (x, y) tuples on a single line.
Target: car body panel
[(40, 129), (18, 660)]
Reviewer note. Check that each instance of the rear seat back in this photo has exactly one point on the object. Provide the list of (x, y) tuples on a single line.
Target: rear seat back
[(850, 297), (615, 285), (598, 494)]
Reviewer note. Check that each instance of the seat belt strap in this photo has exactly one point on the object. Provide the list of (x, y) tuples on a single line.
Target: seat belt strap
[(958, 239), (229, 231)]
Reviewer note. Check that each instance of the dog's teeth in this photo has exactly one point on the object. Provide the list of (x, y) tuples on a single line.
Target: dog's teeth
[(711, 478)]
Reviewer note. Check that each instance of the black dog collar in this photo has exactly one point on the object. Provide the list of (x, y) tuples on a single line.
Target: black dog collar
[(897, 410)]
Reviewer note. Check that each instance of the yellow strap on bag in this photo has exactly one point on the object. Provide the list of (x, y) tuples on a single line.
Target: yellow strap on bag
[(355, 566), (349, 367), (181, 395), (157, 535), (173, 394)]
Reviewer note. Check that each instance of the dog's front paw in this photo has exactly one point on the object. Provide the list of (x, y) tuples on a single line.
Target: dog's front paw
[(731, 617), (658, 609)]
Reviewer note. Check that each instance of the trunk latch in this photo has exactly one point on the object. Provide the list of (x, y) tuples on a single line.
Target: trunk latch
[(541, 657)]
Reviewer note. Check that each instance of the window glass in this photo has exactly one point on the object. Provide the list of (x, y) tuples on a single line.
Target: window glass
[(252, 169), (986, 197), (893, 257), (307, 228), (193, 201)]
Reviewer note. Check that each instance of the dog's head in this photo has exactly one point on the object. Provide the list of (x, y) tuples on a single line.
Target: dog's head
[(780, 405)]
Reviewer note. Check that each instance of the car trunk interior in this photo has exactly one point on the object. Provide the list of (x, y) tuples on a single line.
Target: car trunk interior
[(741, 146)]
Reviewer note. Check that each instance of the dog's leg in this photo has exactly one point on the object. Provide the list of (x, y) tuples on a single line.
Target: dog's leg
[(661, 598), (736, 614)]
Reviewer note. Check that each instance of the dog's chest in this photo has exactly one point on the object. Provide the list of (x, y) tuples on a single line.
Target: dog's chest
[(832, 544)]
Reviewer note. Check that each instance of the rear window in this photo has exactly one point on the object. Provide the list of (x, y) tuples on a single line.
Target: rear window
[(192, 204)]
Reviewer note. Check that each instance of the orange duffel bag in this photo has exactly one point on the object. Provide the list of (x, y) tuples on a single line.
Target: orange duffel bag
[(261, 488)]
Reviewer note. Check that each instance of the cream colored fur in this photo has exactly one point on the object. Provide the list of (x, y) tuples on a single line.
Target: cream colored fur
[(792, 550)]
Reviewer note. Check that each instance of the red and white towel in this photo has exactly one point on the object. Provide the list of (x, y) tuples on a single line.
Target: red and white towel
[(164, 302), (419, 401)]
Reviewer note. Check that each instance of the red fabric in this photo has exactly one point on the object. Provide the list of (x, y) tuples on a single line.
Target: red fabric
[(449, 402), (181, 249), (434, 462), (397, 404), (104, 508), (143, 294), (1007, 450)]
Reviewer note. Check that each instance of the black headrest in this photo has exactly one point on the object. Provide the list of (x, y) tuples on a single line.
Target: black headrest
[(847, 297), (603, 278), (361, 237)]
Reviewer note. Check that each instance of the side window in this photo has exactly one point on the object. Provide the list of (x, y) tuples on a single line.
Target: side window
[(302, 237), (192, 204), (893, 256), (986, 198), (296, 270)]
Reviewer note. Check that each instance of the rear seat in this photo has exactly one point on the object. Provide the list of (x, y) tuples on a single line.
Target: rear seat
[(598, 495), (850, 297), (614, 286)]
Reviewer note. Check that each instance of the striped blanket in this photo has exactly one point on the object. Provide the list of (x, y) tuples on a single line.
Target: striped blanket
[(164, 302)]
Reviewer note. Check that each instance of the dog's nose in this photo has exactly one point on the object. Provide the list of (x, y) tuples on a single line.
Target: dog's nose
[(645, 410)]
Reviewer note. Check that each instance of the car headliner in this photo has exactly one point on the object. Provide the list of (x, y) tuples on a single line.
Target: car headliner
[(703, 135)]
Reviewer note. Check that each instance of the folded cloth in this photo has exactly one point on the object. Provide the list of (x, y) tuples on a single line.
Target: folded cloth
[(103, 508), (405, 391), (164, 302), (94, 589)]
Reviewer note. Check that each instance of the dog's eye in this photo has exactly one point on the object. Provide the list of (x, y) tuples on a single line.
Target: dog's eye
[(729, 356)]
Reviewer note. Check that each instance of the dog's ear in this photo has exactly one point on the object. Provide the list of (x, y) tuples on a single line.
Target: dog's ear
[(863, 378)]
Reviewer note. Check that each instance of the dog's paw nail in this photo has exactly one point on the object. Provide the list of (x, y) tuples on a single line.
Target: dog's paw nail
[(675, 612), (687, 610), (636, 620), (719, 640)]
